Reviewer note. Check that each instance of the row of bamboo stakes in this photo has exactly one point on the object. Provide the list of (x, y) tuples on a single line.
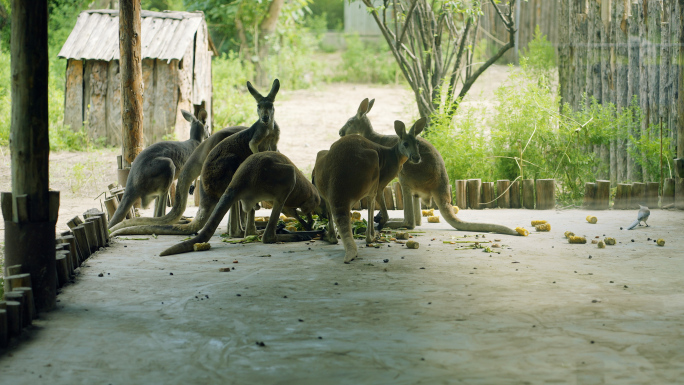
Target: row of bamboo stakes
[(629, 195), (72, 249)]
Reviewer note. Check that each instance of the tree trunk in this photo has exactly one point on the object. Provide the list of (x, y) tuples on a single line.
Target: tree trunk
[(131, 79), (619, 33), (634, 171), (644, 62), (679, 182), (267, 30)]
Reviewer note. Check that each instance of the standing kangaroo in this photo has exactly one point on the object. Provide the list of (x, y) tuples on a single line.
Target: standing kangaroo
[(190, 171), (427, 179), (374, 166), (267, 175), (220, 166), (157, 166)]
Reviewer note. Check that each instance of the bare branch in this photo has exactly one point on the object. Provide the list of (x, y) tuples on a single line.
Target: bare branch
[(408, 20)]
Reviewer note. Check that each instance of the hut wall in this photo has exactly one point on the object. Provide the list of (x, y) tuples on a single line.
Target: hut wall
[(73, 97), (185, 74), (149, 133), (166, 100), (201, 90), (114, 104), (94, 100)]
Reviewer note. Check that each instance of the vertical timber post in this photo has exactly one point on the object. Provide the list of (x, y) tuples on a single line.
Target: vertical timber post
[(131, 80), (30, 229), (679, 179)]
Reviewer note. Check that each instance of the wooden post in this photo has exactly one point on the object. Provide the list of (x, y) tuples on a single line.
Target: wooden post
[(602, 201), (474, 186), (19, 280), (589, 201), (619, 32), (4, 339), (461, 199), (679, 181), (131, 79), (488, 196), (389, 200), (71, 240), (29, 303), (111, 204), (62, 269), (19, 297), (546, 194), (634, 172), (528, 193), (14, 320), (82, 242), (668, 193), (29, 241), (92, 236), (503, 201), (638, 194), (623, 196), (652, 194), (398, 195), (514, 192)]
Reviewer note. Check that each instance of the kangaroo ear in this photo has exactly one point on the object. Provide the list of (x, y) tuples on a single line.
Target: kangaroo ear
[(257, 96), (202, 116), (363, 108), (274, 90), (188, 116), (370, 105), (418, 127), (400, 128)]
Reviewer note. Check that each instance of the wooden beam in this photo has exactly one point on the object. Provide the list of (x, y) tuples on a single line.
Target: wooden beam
[(131, 79)]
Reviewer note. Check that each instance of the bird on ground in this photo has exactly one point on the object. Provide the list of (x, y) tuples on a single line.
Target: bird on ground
[(642, 216)]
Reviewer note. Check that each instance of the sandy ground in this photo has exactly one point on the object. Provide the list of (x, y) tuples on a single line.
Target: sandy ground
[(540, 311)]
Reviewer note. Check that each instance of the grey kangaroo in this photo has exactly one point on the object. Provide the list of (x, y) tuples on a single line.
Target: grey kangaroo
[(220, 166), (157, 166), (427, 179)]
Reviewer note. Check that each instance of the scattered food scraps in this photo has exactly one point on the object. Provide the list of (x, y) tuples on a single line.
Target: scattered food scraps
[(569, 234), (402, 235), (543, 227), (538, 222), (577, 239), (456, 209), (201, 246), (601, 245), (224, 269), (610, 241), (592, 219), (235, 261), (428, 213), (522, 231), (412, 244), (433, 219), (661, 242), (594, 241)]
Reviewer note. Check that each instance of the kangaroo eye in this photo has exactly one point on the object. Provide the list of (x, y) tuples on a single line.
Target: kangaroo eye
[(405, 144)]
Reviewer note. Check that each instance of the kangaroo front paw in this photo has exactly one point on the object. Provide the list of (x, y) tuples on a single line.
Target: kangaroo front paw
[(332, 239), (348, 257)]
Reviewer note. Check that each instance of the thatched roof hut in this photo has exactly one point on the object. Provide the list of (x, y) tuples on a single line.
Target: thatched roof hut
[(176, 66)]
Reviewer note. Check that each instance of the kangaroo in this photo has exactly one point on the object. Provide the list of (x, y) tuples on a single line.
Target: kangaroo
[(427, 179), (191, 170), (374, 167), (157, 166), (221, 164), (264, 176)]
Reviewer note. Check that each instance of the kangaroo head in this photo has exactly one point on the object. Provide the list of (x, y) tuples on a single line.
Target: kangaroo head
[(265, 107), (359, 123), (408, 142), (198, 126)]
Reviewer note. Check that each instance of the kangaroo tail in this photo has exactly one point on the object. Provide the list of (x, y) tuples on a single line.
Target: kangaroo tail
[(633, 225), (447, 212), (210, 227), (124, 207)]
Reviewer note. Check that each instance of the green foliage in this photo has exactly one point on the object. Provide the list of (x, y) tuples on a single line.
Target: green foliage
[(367, 62), (233, 105), (333, 10), (540, 53)]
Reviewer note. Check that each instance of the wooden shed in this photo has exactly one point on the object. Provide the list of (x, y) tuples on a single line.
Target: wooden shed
[(176, 70)]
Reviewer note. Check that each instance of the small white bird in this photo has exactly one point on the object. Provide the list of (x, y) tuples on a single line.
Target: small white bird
[(642, 216)]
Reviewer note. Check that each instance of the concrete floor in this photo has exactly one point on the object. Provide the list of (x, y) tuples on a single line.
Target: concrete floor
[(539, 312)]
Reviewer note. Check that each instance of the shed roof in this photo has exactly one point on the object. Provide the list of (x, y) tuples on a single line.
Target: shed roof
[(165, 35)]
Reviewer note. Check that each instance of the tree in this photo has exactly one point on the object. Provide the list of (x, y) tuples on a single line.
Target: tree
[(429, 40)]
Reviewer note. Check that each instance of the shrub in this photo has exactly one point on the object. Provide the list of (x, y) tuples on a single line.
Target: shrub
[(367, 62)]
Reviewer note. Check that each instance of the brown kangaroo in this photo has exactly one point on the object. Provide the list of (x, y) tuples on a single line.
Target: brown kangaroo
[(191, 170), (157, 166), (220, 166), (427, 179), (264, 176), (354, 168)]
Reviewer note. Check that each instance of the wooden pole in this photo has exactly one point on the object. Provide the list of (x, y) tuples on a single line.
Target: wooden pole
[(3, 328), (398, 195), (514, 191), (545, 194), (29, 303), (503, 194), (528, 193), (488, 196), (638, 194), (461, 197), (679, 181), (652, 194), (668, 193), (473, 190), (602, 201), (589, 201), (13, 317), (634, 172), (389, 200), (131, 79), (30, 234)]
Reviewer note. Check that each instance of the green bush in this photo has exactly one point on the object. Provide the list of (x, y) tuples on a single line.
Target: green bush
[(367, 62), (233, 105)]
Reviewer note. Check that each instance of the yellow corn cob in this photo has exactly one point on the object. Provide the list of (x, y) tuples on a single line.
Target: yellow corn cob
[(577, 239), (201, 246), (539, 222), (433, 219), (522, 231), (543, 227), (592, 219)]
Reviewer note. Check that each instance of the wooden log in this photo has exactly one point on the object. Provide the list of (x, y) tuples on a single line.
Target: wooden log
[(619, 32), (668, 192), (488, 197), (473, 190), (131, 79), (602, 200), (98, 234), (503, 193), (14, 318), (82, 243), (12, 270), (29, 303), (545, 194), (62, 269), (53, 206), (389, 200), (21, 208), (102, 223), (73, 222), (645, 62), (17, 280), (528, 193), (64, 247), (623, 196), (638, 194), (6, 202), (73, 249), (514, 193), (652, 189), (633, 86), (111, 204), (461, 198), (4, 337), (589, 201), (398, 194), (679, 189), (19, 296), (91, 235)]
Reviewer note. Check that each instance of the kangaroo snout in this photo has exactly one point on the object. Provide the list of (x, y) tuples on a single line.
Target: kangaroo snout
[(342, 132), (265, 118), (415, 159)]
